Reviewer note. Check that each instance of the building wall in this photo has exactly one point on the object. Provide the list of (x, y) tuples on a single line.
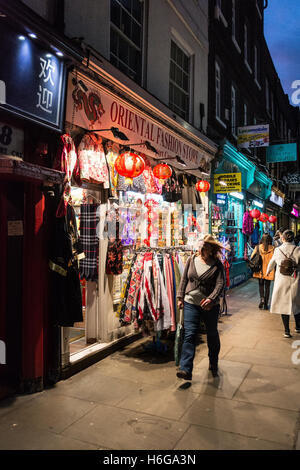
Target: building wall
[(184, 22)]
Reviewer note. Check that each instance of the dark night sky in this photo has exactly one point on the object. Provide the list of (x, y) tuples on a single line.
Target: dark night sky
[(282, 32)]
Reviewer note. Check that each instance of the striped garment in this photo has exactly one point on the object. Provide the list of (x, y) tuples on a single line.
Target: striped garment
[(89, 219)]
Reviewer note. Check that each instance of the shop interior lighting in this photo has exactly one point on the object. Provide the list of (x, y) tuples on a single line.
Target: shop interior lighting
[(237, 195), (32, 36), (115, 131), (60, 54), (48, 55), (258, 204), (21, 38)]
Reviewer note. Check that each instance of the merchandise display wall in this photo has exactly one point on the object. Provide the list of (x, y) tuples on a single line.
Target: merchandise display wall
[(133, 238)]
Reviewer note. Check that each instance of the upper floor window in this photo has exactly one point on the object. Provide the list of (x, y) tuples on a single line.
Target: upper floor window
[(179, 91), (233, 20), (245, 114), (233, 110), (258, 8), (218, 90), (267, 95), (272, 106), (246, 46), (126, 37), (256, 63)]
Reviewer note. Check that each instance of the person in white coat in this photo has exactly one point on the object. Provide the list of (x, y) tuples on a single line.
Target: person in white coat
[(286, 291)]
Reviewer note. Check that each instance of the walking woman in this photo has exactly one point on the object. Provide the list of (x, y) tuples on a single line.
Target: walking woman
[(286, 292), (199, 293), (266, 251)]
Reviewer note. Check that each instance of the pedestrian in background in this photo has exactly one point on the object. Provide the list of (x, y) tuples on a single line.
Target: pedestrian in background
[(277, 237), (266, 250), (201, 287), (286, 292)]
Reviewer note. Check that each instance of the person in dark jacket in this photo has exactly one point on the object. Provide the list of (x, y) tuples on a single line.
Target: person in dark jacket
[(199, 293)]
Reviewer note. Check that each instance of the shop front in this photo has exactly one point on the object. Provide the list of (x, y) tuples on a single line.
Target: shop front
[(132, 192), (295, 220), (31, 105), (238, 189), (274, 207)]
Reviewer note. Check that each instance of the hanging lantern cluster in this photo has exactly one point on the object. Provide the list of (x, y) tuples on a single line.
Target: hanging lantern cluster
[(130, 165), (203, 186), (264, 218)]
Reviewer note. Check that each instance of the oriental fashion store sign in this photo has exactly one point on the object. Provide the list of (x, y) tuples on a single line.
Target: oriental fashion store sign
[(92, 107)]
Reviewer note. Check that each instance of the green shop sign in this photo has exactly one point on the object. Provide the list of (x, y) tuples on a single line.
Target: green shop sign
[(282, 153)]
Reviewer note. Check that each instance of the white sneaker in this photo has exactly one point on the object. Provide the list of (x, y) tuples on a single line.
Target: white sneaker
[(287, 335)]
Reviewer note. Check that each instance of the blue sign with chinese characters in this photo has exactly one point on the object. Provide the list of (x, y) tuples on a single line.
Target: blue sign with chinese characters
[(31, 78)]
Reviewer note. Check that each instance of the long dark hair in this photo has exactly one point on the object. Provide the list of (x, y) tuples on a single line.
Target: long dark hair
[(266, 240)]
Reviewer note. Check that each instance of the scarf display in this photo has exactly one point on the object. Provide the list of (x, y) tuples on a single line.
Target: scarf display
[(148, 299), (89, 219)]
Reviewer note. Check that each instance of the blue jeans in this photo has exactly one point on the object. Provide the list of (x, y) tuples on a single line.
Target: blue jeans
[(192, 316)]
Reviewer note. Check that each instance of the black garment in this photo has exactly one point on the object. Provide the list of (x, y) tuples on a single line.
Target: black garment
[(286, 322), (65, 283), (264, 289)]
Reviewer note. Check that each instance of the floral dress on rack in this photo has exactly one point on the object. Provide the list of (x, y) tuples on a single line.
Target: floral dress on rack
[(92, 160)]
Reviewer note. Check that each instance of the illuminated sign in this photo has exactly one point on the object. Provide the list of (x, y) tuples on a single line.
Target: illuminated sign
[(32, 79)]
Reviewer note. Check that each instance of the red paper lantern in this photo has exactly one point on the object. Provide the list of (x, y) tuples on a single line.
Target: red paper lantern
[(162, 171), (255, 214), (264, 218), (272, 219), (130, 165), (202, 186)]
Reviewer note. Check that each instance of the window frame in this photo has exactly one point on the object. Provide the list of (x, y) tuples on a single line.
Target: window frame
[(172, 82), (137, 75), (218, 115), (245, 114), (233, 95)]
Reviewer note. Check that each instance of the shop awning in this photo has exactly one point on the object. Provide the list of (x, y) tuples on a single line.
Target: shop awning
[(16, 169), (250, 172)]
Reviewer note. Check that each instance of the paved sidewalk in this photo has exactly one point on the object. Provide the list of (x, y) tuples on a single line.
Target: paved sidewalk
[(133, 400)]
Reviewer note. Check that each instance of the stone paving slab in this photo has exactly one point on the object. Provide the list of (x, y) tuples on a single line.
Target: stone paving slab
[(271, 386), (48, 412), (168, 403), (231, 375), (96, 387), (202, 438), (124, 429), (247, 419), (272, 358), (25, 437)]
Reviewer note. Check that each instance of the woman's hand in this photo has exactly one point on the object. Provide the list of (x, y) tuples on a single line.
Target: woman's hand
[(206, 304), (180, 304)]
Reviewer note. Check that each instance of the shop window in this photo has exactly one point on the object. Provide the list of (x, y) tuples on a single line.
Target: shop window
[(126, 37), (179, 91)]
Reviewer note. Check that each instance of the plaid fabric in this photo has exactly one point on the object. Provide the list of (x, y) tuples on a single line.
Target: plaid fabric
[(89, 219)]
